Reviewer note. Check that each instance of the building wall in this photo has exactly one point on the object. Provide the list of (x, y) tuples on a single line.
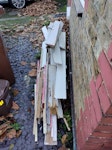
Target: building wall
[(91, 49)]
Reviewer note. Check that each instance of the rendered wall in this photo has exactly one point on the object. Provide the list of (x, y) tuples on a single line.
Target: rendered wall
[(91, 48)]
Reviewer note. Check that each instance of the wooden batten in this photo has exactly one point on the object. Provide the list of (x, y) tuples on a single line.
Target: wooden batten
[(49, 140), (35, 129), (62, 40), (51, 57), (66, 123), (45, 101), (45, 32), (59, 110), (53, 33), (43, 59), (39, 104), (51, 83), (57, 54), (60, 85), (54, 128)]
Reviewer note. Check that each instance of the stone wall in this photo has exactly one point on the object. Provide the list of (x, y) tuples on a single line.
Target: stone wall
[(91, 49)]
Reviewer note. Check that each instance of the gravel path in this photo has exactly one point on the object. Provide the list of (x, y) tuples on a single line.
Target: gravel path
[(20, 49)]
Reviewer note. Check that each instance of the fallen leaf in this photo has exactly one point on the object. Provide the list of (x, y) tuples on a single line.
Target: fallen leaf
[(53, 110), (15, 92), (23, 63), (33, 102), (11, 146), (33, 64), (18, 133), (2, 118), (15, 106), (32, 73), (63, 148), (10, 115), (11, 134), (64, 139), (2, 137), (4, 127)]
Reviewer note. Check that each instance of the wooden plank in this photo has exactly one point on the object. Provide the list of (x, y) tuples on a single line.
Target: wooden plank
[(79, 7), (44, 120), (43, 54), (45, 105), (60, 85), (49, 140), (35, 129), (54, 128), (51, 83), (39, 87), (51, 57), (59, 110), (53, 33), (45, 32), (62, 40), (66, 123), (44, 90), (57, 54)]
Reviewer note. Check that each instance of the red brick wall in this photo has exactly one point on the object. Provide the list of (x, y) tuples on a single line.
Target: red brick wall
[(91, 48), (94, 128)]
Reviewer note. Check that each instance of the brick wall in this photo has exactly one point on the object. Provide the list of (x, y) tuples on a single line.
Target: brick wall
[(91, 48)]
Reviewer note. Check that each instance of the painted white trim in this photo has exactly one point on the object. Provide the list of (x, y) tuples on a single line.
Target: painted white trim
[(68, 9), (60, 85), (83, 3), (45, 32)]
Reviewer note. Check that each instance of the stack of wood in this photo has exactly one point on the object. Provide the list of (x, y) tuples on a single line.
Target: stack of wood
[(40, 8), (50, 87)]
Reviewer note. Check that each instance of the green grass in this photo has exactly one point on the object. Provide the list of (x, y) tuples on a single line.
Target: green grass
[(61, 5), (16, 20), (15, 126), (13, 23), (62, 9)]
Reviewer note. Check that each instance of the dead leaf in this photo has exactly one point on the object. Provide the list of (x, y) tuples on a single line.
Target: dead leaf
[(11, 134), (32, 73), (2, 137), (2, 118), (53, 110), (10, 115), (15, 106), (64, 139), (33, 64), (4, 127), (63, 148), (15, 92), (23, 63), (11, 146), (33, 102), (18, 133)]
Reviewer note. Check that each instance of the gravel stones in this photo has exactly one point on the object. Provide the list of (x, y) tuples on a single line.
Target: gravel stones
[(20, 49)]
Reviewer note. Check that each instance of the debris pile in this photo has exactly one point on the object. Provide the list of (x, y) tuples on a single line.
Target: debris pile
[(50, 87), (39, 8)]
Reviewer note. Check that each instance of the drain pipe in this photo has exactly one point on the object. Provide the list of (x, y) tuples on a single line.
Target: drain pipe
[(72, 101)]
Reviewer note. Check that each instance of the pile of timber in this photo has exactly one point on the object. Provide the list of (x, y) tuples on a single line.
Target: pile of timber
[(50, 87)]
